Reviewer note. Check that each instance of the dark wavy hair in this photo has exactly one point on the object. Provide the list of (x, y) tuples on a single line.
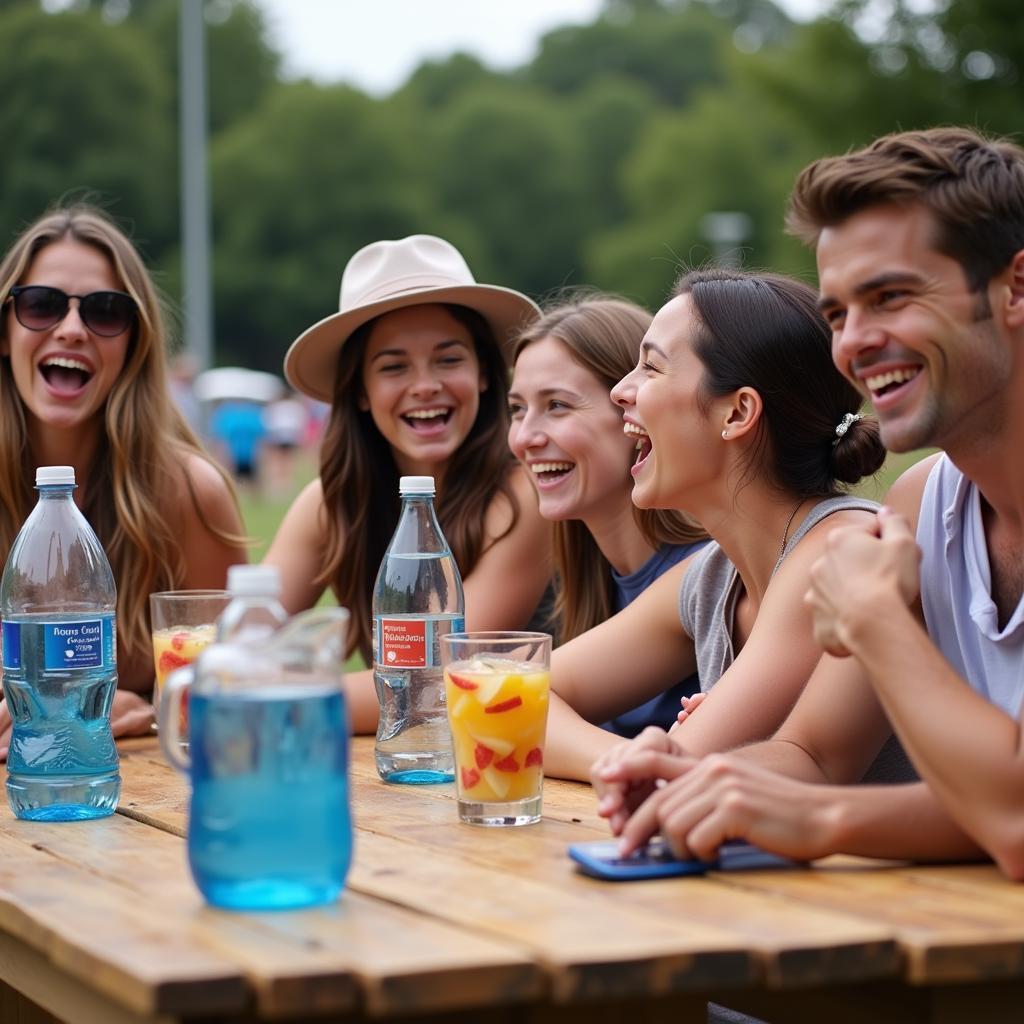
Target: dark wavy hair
[(360, 479), (972, 185), (764, 331)]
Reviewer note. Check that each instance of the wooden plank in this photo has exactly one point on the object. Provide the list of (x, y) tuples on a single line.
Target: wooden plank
[(563, 801), (594, 965), (886, 1003), (947, 933), (805, 946), (37, 991), (17, 1009), (97, 933), (311, 961), (151, 790)]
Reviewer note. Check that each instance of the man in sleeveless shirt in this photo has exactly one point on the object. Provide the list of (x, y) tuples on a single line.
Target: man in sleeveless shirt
[(920, 248)]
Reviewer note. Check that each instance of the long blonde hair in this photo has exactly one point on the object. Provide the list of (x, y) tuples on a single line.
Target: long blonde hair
[(602, 333), (144, 440)]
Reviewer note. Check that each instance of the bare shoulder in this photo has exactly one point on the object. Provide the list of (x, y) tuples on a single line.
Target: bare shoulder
[(905, 495), (302, 532), (207, 495), (211, 525), (308, 507), (298, 548), (799, 558), (842, 517)]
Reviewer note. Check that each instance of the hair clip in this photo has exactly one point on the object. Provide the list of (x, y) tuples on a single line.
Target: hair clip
[(844, 425)]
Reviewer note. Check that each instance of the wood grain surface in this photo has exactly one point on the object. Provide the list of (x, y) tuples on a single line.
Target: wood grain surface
[(100, 921)]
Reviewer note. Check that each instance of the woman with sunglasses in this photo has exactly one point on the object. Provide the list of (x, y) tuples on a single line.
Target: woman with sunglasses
[(83, 383), (413, 367)]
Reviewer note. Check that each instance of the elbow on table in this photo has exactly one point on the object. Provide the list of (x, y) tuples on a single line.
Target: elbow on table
[(1006, 847)]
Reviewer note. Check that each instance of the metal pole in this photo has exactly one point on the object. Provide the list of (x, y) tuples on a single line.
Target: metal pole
[(195, 203), (726, 230)]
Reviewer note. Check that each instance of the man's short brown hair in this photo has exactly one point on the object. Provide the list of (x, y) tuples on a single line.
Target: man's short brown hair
[(972, 185)]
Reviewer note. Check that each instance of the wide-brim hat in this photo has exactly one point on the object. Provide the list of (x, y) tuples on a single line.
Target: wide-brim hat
[(389, 275)]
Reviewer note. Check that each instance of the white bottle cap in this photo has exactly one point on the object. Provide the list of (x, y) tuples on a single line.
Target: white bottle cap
[(416, 485), (254, 580), (50, 476)]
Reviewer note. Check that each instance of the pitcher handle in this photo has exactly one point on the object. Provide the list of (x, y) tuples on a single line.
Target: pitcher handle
[(169, 717)]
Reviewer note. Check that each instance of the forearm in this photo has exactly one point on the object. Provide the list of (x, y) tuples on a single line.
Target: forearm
[(966, 749), (901, 822), (573, 744), (782, 756), (361, 700)]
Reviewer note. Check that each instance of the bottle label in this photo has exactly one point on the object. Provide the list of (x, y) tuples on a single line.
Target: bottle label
[(78, 644), (12, 644), (413, 642)]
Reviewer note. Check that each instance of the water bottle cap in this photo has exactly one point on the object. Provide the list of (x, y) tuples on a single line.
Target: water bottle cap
[(416, 485), (51, 476), (254, 580)]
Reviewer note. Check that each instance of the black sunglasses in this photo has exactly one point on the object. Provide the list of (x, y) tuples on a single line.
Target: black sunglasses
[(39, 307)]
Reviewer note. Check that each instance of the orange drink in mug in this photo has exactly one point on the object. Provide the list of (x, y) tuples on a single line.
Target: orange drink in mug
[(184, 622), (496, 688)]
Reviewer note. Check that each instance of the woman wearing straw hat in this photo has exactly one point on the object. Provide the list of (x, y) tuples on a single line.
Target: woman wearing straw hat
[(413, 367)]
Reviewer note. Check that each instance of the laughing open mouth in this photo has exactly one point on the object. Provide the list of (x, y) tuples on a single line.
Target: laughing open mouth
[(549, 472), (882, 383), (427, 419), (64, 374), (643, 441)]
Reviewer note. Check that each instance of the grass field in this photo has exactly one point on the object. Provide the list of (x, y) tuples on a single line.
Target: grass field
[(262, 514)]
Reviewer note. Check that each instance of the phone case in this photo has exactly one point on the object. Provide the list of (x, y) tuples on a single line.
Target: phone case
[(601, 859)]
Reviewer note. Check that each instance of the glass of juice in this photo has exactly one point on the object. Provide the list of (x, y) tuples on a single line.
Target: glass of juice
[(183, 622), (496, 689)]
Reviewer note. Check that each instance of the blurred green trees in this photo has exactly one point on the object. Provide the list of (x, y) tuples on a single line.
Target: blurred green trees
[(596, 163)]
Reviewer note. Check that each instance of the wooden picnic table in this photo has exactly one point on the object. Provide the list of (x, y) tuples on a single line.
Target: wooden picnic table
[(100, 924)]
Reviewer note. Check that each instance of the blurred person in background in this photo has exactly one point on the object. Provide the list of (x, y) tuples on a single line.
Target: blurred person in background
[(237, 432), (284, 420), (83, 383), (414, 368), (181, 379)]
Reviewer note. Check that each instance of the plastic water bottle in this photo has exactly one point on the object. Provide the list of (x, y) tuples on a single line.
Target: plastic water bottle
[(417, 599), (254, 611), (57, 605)]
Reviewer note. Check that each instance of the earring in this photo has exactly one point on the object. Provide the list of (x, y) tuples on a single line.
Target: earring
[(725, 435)]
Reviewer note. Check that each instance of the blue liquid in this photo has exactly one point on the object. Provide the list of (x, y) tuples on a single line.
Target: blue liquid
[(62, 764), (269, 826)]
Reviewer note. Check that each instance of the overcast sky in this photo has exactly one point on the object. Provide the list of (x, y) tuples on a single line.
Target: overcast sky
[(376, 44)]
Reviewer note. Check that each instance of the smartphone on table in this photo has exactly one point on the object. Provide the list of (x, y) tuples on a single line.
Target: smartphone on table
[(601, 859)]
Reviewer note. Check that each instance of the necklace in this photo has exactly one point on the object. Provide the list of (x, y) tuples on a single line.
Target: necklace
[(785, 536)]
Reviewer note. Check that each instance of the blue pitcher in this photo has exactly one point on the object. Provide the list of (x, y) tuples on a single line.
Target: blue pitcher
[(269, 824)]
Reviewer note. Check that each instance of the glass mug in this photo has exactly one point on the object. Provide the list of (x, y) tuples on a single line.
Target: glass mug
[(184, 622), (496, 688), (269, 821)]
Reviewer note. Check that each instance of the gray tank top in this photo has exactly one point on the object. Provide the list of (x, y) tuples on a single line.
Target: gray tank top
[(707, 610)]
